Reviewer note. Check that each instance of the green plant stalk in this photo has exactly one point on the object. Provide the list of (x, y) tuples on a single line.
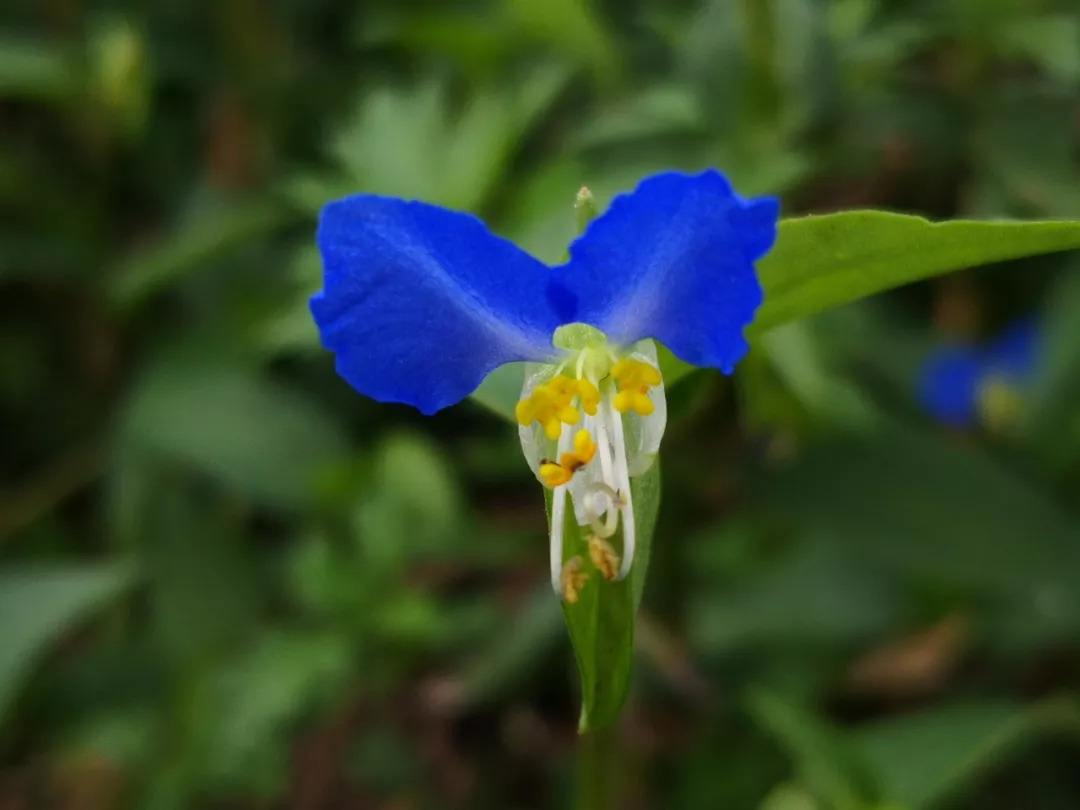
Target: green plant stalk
[(597, 768)]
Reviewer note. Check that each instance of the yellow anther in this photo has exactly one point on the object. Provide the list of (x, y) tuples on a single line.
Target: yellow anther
[(590, 396), (553, 427), (634, 400), (629, 373), (525, 412), (634, 379), (584, 446), (551, 404), (562, 386), (555, 475), (604, 557), (569, 414), (573, 579)]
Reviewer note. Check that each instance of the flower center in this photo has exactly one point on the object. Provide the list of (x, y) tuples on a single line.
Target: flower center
[(589, 462)]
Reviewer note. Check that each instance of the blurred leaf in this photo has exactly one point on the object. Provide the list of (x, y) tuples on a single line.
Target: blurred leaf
[(244, 711), (202, 596), (192, 247), (1051, 41), (411, 142), (570, 26), (268, 442), (816, 594), (659, 110), (513, 658), (825, 261), (826, 762), (414, 505), (1050, 416), (35, 70), (789, 797), (923, 759), (931, 508), (601, 623), (39, 603), (501, 389)]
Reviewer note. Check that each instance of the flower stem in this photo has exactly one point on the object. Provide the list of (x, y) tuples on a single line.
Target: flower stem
[(597, 770)]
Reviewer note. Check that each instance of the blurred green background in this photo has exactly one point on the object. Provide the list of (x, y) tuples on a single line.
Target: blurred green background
[(227, 581)]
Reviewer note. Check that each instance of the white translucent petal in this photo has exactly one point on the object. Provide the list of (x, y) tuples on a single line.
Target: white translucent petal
[(643, 433)]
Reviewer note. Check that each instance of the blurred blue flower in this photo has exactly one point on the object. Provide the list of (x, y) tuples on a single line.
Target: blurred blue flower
[(420, 303), (964, 386), (949, 385)]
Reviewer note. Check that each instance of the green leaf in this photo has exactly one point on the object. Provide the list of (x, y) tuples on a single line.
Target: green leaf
[(191, 248), (36, 70), (269, 442), (501, 389), (922, 759), (38, 603), (824, 261), (823, 757), (601, 623)]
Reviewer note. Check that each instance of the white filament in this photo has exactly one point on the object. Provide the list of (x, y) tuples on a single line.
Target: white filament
[(558, 516), (622, 477)]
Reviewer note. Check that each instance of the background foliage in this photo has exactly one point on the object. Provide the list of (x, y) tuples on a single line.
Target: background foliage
[(228, 582)]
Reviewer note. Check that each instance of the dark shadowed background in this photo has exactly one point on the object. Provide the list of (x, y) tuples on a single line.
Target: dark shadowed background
[(227, 581)]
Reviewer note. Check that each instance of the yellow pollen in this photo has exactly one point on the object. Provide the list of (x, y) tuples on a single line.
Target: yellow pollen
[(590, 396), (556, 474), (551, 404), (573, 579), (584, 446), (604, 557), (634, 379)]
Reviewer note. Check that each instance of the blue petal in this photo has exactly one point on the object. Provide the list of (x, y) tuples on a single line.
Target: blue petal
[(949, 385), (420, 303), (1014, 354), (673, 260)]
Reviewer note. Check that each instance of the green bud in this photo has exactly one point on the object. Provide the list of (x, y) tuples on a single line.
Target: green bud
[(584, 208)]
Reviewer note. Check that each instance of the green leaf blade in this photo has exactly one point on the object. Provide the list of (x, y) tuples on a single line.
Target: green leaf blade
[(39, 603), (824, 261), (601, 623)]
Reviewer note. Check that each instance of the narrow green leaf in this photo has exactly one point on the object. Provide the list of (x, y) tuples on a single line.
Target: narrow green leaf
[(922, 759), (826, 762), (191, 248), (270, 442), (37, 604), (824, 261), (601, 623), (36, 70)]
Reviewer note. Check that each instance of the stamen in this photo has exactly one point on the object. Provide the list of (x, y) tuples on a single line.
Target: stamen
[(555, 475), (590, 396), (622, 477), (634, 378), (572, 579), (558, 516), (603, 556)]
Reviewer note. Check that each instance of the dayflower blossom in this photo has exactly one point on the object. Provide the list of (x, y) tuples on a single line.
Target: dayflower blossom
[(420, 303), (961, 386)]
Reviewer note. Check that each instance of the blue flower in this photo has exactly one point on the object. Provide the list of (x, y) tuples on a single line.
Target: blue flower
[(963, 386), (949, 385), (420, 303)]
